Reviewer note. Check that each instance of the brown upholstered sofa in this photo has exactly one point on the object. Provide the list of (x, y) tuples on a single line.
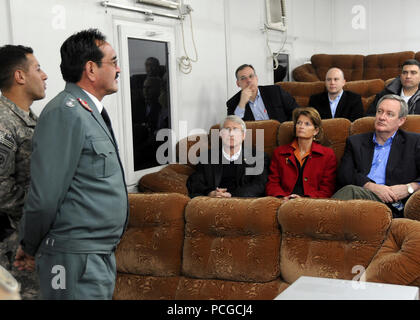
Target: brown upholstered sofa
[(254, 248), (302, 91), (214, 248), (355, 66), (173, 177)]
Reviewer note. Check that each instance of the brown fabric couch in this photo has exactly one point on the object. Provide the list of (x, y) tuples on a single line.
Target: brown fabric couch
[(212, 248), (355, 67), (302, 91), (173, 177)]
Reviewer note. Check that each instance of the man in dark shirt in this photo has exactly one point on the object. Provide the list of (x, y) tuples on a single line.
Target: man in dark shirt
[(406, 85), (236, 172)]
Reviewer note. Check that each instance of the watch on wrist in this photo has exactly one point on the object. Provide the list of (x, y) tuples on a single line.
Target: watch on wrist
[(410, 188)]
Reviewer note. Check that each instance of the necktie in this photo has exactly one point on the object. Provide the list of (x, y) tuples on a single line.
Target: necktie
[(107, 121)]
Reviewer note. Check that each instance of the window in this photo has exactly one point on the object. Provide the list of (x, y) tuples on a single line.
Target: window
[(150, 103), (148, 92)]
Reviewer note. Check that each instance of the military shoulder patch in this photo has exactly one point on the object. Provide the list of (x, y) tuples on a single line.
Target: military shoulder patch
[(7, 148), (6, 140), (71, 103), (84, 104)]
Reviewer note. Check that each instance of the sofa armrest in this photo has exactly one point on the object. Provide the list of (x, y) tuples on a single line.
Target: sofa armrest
[(305, 73), (412, 207), (190, 147), (398, 260), (172, 178), (152, 243)]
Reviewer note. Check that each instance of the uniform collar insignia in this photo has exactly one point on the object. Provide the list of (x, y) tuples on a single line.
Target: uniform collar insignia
[(84, 104)]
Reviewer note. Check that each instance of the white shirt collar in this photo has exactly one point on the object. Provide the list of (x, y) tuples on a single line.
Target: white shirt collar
[(234, 157), (338, 97), (95, 100)]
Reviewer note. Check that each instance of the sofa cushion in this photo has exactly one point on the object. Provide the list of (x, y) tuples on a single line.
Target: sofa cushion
[(367, 89), (397, 261), (411, 208), (336, 132), (265, 128), (152, 243), (305, 73), (198, 289), (302, 91), (137, 287), (232, 239), (328, 238), (367, 124), (351, 64), (172, 178), (386, 65)]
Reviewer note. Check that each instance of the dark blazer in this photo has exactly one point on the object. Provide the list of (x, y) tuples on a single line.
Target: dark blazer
[(395, 88), (403, 164), (278, 103), (350, 105), (207, 177), (318, 174)]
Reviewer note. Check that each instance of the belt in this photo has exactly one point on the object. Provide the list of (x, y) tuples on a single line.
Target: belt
[(53, 244)]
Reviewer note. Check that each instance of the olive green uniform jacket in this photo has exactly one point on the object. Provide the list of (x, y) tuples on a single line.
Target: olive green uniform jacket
[(77, 201)]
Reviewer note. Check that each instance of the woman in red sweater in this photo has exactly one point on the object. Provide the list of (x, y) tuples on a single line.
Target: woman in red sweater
[(303, 168)]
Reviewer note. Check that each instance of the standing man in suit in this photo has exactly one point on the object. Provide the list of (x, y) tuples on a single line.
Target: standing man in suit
[(77, 206), (336, 102), (383, 165), (255, 102), (406, 85)]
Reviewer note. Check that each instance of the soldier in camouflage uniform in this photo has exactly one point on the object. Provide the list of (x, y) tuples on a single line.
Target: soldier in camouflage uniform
[(21, 82)]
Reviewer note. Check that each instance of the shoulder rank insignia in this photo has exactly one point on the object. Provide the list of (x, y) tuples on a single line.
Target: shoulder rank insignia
[(71, 103), (84, 104)]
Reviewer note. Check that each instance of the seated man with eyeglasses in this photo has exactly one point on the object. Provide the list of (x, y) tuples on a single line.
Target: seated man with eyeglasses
[(256, 102), (236, 171)]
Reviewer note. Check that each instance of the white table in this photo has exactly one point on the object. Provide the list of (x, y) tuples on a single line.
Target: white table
[(313, 288)]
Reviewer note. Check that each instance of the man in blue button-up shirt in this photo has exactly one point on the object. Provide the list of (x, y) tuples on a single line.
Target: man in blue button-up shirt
[(383, 165), (256, 102)]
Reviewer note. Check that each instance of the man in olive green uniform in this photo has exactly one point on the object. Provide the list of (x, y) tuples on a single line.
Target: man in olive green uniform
[(77, 205), (21, 81)]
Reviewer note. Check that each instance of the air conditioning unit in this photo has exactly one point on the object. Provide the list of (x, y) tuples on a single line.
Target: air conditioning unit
[(276, 14), (161, 3)]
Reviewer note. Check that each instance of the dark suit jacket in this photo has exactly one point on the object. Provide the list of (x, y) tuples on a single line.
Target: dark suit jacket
[(207, 177), (403, 164), (350, 105), (278, 103)]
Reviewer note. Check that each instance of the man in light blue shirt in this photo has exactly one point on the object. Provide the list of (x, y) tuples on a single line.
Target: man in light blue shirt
[(256, 102), (380, 159), (336, 102), (257, 107), (383, 165)]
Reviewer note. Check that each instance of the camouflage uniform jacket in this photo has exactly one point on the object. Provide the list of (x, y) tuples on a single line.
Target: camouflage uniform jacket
[(16, 130)]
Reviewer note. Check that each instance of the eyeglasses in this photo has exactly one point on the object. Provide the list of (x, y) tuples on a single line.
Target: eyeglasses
[(113, 62), (231, 130), (243, 78)]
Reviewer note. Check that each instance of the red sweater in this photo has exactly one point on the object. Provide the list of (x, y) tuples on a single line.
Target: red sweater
[(318, 174)]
